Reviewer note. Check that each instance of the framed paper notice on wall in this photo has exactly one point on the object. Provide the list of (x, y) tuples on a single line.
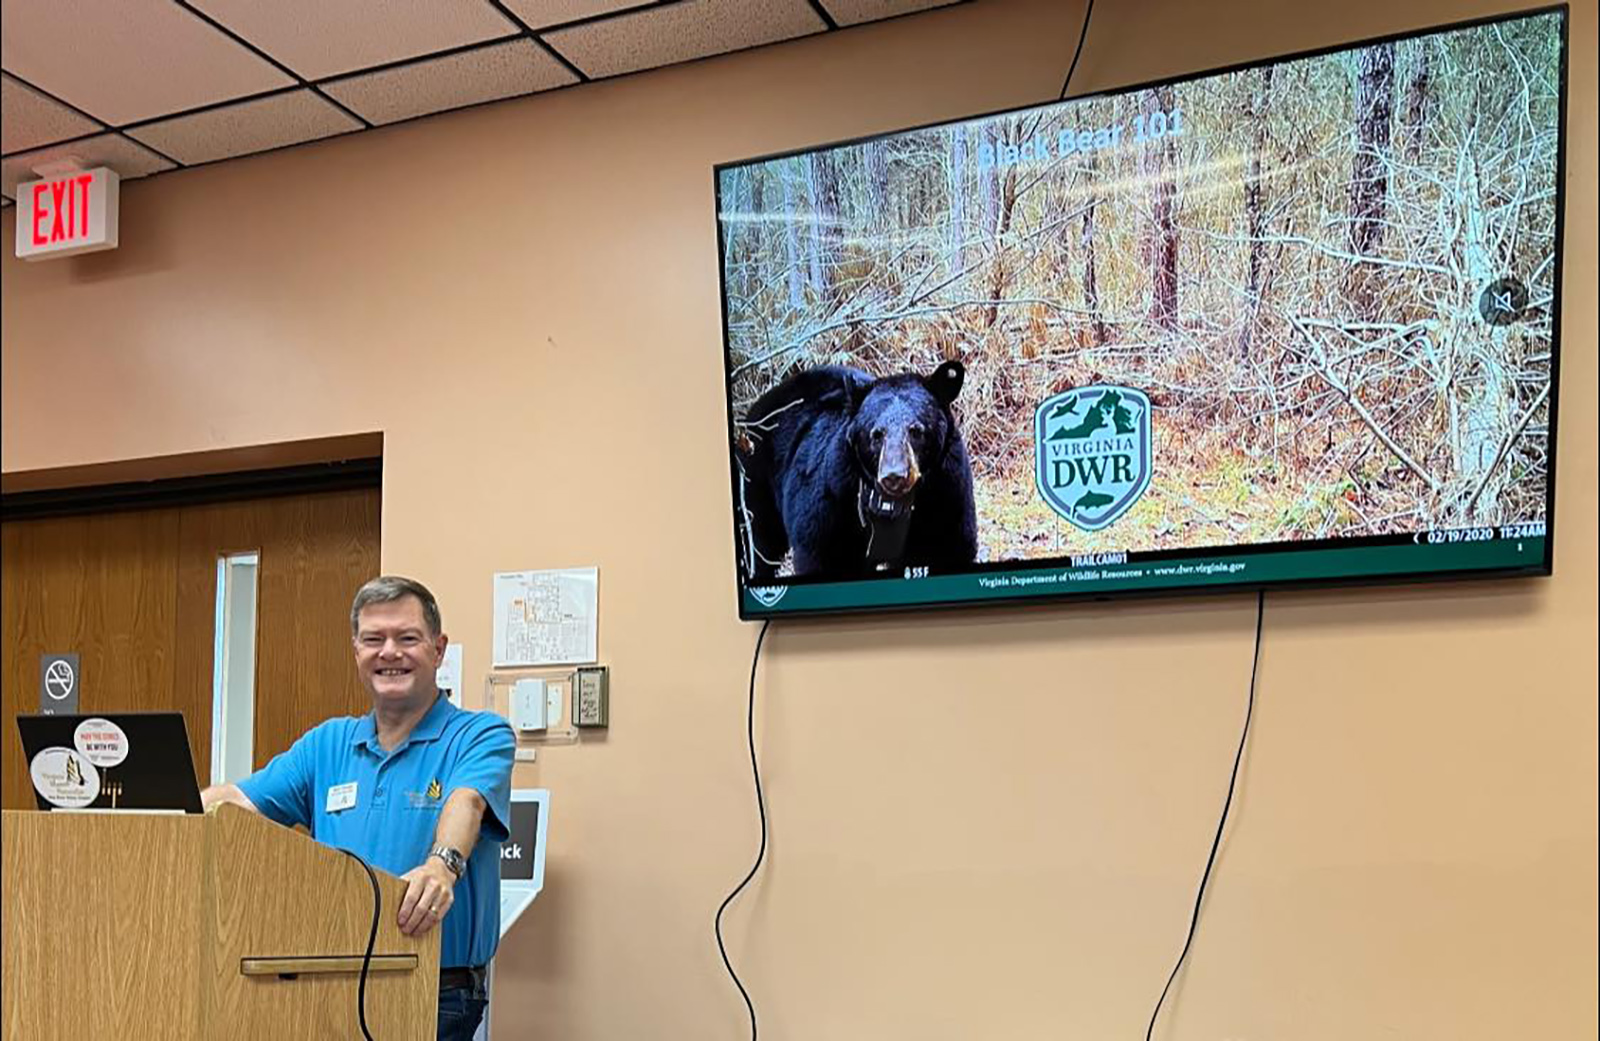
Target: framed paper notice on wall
[(546, 617)]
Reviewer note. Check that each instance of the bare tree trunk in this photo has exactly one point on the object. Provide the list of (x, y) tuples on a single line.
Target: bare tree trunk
[(1156, 163), (878, 182), (956, 214), (1007, 199), (1255, 216), (1091, 287), (1369, 178), (1418, 99), (792, 247), (1486, 412), (822, 177)]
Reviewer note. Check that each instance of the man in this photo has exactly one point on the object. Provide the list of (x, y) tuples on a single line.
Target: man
[(410, 788)]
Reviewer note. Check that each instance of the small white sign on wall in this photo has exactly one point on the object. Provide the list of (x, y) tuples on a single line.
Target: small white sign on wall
[(448, 675), (70, 213)]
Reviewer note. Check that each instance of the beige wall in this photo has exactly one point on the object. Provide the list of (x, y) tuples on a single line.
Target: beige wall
[(968, 840)]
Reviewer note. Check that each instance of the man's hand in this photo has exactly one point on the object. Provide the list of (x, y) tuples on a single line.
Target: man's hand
[(430, 892), (218, 794)]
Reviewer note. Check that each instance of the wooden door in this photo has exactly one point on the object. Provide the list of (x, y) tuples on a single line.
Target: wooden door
[(134, 594)]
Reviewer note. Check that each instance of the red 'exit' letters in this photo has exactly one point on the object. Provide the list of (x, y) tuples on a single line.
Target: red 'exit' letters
[(66, 215)]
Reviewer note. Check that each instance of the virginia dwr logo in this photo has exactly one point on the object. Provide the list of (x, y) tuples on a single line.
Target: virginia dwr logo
[(1091, 447), (766, 596)]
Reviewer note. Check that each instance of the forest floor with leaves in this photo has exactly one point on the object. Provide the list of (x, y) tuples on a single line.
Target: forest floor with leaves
[(1207, 494)]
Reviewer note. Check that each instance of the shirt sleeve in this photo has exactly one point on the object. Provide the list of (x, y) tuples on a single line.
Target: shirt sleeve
[(281, 790), (484, 765)]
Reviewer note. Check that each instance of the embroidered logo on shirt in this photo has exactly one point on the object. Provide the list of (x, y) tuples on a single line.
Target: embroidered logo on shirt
[(426, 800)]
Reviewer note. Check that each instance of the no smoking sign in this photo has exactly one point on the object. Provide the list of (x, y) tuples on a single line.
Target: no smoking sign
[(58, 684)]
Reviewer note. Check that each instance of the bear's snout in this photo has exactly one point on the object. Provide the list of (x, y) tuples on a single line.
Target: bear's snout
[(897, 468)]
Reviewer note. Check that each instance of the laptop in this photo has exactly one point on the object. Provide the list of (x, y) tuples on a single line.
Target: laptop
[(522, 853), (132, 761)]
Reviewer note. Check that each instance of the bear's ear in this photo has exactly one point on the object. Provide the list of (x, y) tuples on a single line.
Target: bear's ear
[(857, 384), (945, 382), (843, 390)]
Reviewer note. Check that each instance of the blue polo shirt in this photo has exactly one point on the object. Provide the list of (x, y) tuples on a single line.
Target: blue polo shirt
[(391, 819)]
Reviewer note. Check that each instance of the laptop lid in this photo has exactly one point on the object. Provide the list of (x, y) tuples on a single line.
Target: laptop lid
[(114, 761), (522, 853)]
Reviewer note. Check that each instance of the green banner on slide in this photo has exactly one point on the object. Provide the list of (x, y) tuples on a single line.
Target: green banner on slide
[(1319, 565)]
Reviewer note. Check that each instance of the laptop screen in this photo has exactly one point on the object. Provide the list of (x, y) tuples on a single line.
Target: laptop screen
[(116, 761), (522, 853)]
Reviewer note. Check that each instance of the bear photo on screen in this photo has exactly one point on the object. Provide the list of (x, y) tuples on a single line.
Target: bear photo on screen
[(845, 474)]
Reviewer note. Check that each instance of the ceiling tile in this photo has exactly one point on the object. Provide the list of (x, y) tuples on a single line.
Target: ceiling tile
[(539, 13), (127, 158), (318, 38), (681, 32), (250, 126), (126, 60), (501, 70), (855, 12), (31, 119)]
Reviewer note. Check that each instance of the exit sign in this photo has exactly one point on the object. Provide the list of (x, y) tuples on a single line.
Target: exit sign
[(75, 212)]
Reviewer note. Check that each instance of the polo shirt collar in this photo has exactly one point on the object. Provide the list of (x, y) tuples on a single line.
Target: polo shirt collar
[(432, 725), (428, 728)]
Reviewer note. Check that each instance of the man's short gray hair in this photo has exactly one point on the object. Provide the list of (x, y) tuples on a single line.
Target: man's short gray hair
[(386, 589)]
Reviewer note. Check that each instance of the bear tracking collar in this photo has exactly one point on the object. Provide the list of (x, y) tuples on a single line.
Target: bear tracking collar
[(887, 521)]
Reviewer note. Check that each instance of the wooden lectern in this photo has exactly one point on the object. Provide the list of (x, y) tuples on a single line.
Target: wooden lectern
[(223, 925)]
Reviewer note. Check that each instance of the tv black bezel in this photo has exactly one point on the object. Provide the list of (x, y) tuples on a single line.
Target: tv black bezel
[(1543, 569)]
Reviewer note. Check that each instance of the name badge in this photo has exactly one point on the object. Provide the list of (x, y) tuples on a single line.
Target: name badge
[(341, 797)]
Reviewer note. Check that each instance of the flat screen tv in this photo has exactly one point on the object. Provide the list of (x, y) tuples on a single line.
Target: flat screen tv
[(1293, 322)]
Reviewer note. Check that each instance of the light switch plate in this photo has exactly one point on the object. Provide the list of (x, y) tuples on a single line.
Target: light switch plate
[(529, 705)]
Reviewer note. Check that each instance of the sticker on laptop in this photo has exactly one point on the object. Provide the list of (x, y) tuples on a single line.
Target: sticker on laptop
[(101, 741), (65, 778)]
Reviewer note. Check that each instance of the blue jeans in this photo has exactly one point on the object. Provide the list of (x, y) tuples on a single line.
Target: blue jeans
[(460, 1011)]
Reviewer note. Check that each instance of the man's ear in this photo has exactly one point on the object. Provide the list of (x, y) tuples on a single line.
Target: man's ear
[(944, 383)]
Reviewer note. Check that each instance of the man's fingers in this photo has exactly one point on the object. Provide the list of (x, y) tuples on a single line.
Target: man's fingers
[(414, 907), (409, 902), (425, 904)]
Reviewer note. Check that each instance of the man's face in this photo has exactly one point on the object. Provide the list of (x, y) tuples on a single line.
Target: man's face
[(396, 657)]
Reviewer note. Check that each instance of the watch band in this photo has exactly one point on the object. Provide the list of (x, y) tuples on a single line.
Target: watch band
[(452, 859)]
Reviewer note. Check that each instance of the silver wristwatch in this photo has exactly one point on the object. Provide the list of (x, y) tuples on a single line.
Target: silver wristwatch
[(452, 859)]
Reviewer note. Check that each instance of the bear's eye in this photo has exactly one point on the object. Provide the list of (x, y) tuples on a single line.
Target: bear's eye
[(877, 436), (915, 430)]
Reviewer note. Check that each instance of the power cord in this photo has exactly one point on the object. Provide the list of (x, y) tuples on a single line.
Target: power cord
[(372, 940), (1083, 34), (761, 805), (1233, 779)]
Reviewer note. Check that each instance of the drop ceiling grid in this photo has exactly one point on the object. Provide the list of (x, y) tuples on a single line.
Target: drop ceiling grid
[(239, 77)]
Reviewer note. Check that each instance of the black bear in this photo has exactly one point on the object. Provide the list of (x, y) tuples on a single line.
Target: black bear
[(855, 474)]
